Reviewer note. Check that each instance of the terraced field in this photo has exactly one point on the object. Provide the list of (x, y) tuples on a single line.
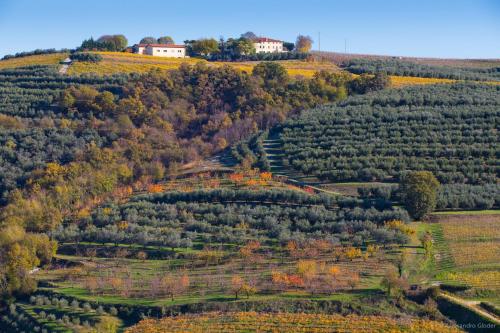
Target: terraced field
[(467, 251), (287, 322)]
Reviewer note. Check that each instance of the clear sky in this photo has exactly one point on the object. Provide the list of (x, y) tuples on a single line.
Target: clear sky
[(433, 28)]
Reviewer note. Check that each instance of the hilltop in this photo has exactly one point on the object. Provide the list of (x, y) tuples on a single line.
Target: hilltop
[(120, 62)]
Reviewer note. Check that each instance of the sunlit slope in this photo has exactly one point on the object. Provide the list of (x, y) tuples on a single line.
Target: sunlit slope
[(41, 59)]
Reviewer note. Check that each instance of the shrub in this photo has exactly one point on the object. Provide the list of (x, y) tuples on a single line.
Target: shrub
[(86, 57)]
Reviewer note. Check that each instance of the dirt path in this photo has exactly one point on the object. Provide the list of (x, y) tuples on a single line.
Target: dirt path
[(473, 305), (65, 65)]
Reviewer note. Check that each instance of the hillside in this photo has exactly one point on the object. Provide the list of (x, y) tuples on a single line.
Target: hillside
[(122, 62), (136, 187)]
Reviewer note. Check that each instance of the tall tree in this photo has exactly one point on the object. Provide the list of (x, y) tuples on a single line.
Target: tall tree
[(148, 40), (113, 42), (248, 35), (244, 46), (289, 46), (419, 191), (303, 43), (165, 40), (205, 46)]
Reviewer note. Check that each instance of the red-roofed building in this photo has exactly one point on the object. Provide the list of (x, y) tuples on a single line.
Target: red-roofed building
[(161, 50), (267, 45)]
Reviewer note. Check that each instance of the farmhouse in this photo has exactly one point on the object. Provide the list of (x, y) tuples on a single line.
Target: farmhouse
[(267, 45), (161, 50)]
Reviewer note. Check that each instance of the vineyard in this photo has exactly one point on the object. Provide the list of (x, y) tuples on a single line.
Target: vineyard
[(287, 322), (378, 136), (469, 248)]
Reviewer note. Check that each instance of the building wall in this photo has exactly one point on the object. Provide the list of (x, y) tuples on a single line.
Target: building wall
[(268, 47), (170, 52)]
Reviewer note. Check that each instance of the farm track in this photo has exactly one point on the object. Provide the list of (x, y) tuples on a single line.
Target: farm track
[(471, 305)]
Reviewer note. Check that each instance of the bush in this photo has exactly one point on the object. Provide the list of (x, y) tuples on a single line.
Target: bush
[(86, 57)]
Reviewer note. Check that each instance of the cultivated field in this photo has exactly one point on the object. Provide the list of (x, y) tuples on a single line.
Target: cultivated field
[(43, 59), (468, 248), (287, 322)]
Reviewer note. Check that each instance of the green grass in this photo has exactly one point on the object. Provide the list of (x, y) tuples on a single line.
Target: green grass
[(469, 212)]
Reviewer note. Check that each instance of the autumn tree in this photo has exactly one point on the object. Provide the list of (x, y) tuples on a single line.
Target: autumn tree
[(141, 255), (239, 285), (353, 253), (248, 251), (303, 43), (393, 283), (353, 279), (307, 268), (419, 190), (21, 252), (169, 285)]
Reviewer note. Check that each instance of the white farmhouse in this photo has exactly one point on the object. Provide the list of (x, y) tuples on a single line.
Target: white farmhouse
[(161, 50), (267, 45)]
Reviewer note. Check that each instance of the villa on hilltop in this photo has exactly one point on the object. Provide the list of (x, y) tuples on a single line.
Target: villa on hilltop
[(161, 50), (261, 45), (267, 45)]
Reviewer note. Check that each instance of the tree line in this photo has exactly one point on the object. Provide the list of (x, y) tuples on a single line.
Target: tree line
[(407, 68)]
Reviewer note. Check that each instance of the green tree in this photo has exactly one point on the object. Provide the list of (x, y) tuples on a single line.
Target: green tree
[(244, 46), (303, 43), (248, 35), (271, 72), (380, 81), (289, 46), (419, 190), (113, 42), (120, 42), (148, 40), (165, 40), (205, 46)]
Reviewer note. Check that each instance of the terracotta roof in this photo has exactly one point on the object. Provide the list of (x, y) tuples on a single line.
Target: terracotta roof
[(265, 39), (162, 45)]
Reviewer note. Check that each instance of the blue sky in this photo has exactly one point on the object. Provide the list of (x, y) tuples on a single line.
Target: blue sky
[(446, 28)]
